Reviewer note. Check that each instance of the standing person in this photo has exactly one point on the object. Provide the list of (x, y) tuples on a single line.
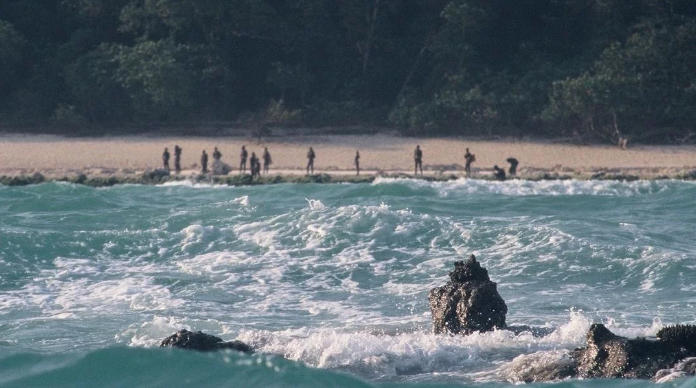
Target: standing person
[(357, 162), (242, 160), (165, 158), (204, 162), (266, 160), (216, 154), (469, 158), (310, 160), (253, 161), (513, 166), (418, 158), (177, 159)]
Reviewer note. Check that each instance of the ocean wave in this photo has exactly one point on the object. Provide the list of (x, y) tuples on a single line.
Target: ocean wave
[(519, 187)]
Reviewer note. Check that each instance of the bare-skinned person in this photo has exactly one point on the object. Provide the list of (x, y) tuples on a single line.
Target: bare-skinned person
[(165, 159), (310, 160), (498, 173), (418, 159), (267, 161), (243, 160), (204, 162), (468, 158)]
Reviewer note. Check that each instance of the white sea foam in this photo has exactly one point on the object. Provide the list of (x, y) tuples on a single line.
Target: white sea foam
[(410, 352), (192, 184), (244, 200), (517, 187), (315, 204)]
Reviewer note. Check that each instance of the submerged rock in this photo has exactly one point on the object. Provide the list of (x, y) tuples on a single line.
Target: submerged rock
[(468, 303), (200, 341)]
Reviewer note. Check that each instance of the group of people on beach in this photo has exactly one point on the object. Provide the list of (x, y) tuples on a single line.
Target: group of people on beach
[(255, 162), (469, 158)]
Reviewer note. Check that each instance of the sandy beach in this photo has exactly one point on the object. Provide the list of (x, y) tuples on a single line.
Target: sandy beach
[(56, 156)]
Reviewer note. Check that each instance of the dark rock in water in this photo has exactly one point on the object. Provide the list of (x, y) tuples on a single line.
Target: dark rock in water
[(469, 270), (679, 336), (468, 303), (608, 355), (200, 341)]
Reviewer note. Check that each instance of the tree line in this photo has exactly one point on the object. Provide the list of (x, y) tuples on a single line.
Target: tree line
[(585, 69)]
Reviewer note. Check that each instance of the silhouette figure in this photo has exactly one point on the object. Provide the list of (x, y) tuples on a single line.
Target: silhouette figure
[(513, 166), (418, 158), (165, 158), (266, 160), (499, 173), (216, 154), (177, 159), (258, 167), (253, 161), (469, 158), (204, 162), (242, 160), (310, 160), (357, 162)]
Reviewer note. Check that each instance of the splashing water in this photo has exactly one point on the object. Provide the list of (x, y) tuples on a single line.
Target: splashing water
[(330, 282)]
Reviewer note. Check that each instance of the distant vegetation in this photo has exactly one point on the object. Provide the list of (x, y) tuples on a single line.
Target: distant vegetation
[(579, 69)]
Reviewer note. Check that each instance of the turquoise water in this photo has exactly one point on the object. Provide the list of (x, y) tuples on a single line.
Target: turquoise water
[(330, 282)]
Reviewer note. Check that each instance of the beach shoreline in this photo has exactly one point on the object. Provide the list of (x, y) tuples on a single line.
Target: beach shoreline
[(137, 159)]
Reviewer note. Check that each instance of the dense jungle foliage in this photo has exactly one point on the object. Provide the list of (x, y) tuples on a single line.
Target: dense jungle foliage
[(589, 69)]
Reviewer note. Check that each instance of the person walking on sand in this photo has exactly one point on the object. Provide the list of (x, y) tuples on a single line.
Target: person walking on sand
[(165, 158), (310, 160), (242, 160), (357, 162), (216, 154), (266, 160), (469, 158), (418, 159), (513, 166), (204, 162), (177, 159)]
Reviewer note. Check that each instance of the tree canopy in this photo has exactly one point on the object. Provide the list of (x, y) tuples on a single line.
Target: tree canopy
[(582, 68)]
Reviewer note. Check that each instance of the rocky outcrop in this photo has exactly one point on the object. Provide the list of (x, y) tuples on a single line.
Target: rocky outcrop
[(200, 341), (608, 355), (468, 303), (670, 355), (220, 168)]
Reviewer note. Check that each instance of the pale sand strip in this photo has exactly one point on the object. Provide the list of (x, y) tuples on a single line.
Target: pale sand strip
[(54, 155)]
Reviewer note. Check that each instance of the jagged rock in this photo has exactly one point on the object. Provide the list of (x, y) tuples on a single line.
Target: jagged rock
[(608, 355), (220, 168), (200, 341), (679, 336), (469, 302)]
